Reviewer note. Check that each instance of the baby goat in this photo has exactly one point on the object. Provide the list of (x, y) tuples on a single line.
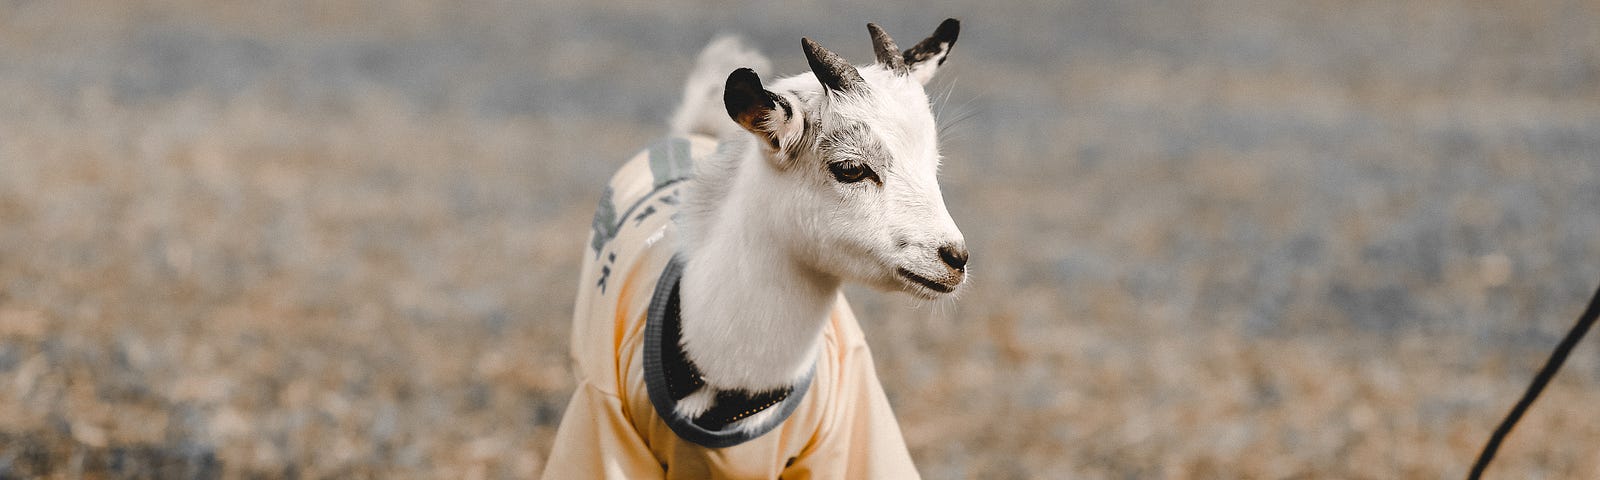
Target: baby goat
[(710, 335)]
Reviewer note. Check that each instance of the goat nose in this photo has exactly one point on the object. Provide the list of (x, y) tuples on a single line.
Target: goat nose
[(955, 256)]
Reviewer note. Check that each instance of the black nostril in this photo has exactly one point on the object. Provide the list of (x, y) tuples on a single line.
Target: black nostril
[(954, 256)]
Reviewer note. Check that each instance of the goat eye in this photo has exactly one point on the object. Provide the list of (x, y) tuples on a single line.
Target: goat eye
[(847, 172)]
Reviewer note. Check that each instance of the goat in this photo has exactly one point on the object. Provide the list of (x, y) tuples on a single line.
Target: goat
[(710, 335)]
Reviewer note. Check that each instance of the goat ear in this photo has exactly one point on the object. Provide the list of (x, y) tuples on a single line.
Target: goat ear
[(761, 112), (834, 73), (925, 58)]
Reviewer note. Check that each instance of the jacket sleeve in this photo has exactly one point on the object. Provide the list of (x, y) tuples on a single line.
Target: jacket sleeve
[(859, 437), (596, 441)]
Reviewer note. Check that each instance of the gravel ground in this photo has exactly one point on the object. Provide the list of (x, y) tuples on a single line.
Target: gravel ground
[(1221, 239)]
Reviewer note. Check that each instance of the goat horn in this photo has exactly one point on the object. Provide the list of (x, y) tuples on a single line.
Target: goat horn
[(888, 53), (832, 71)]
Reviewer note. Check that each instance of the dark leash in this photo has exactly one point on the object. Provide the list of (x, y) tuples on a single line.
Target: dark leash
[(1557, 357)]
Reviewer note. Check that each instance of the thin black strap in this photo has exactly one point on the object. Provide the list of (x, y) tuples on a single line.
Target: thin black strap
[(1550, 367)]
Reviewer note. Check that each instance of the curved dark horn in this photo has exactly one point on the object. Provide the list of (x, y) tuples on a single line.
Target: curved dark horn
[(832, 71), (888, 53)]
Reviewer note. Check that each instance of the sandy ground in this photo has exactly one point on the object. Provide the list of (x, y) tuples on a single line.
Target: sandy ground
[(1226, 239)]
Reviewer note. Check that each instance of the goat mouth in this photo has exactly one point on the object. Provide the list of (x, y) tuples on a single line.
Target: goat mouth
[(925, 282)]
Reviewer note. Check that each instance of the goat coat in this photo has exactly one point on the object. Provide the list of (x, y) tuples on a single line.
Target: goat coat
[(837, 426)]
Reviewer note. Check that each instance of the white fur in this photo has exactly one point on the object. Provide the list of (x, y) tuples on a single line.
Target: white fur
[(696, 403), (768, 235)]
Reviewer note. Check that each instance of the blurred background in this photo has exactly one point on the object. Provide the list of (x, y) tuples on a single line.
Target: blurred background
[(1215, 239)]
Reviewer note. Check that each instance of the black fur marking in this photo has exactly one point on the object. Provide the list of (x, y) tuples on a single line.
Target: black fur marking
[(748, 103), (810, 126), (801, 144), (936, 46), (788, 112), (806, 140), (743, 96)]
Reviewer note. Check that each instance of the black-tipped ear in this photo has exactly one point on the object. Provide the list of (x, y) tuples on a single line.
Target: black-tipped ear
[(830, 69), (925, 58), (753, 107)]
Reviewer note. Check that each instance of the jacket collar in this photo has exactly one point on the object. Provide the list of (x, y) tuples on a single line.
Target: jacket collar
[(670, 376)]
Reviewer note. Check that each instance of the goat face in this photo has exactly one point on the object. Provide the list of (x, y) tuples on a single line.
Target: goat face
[(854, 165)]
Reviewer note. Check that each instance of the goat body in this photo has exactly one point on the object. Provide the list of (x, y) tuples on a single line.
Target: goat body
[(710, 336)]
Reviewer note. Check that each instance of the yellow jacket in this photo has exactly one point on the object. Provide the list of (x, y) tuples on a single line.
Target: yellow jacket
[(841, 427)]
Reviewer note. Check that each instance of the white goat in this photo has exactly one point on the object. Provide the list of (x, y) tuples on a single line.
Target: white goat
[(745, 360)]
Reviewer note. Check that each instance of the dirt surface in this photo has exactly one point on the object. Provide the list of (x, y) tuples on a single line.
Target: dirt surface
[(1222, 239)]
